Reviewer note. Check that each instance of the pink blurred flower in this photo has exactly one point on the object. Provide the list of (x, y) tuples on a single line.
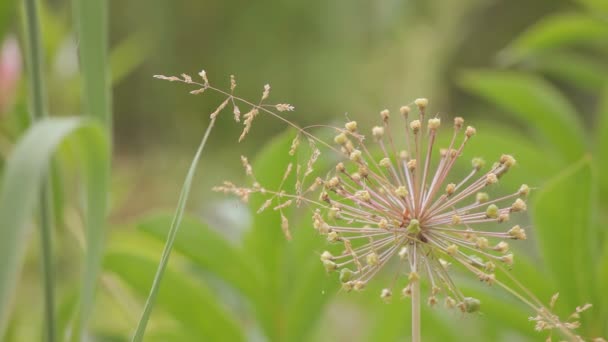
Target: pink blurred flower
[(10, 72)]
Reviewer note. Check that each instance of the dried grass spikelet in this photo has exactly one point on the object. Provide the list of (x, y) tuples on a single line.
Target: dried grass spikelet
[(405, 206)]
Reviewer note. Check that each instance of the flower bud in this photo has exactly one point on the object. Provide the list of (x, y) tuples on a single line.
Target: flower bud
[(401, 191), (434, 123), (378, 132), (385, 114), (372, 259), (492, 211), (470, 131), (415, 126), (340, 139), (458, 122), (386, 294), (355, 156), (518, 205), (470, 305), (351, 126), (482, 197), (346, 275), (421, 103)]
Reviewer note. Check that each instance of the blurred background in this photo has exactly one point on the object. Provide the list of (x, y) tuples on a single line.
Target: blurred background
[(531, 75)]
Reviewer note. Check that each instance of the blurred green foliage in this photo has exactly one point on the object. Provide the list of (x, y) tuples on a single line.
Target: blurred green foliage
[(532, 75)]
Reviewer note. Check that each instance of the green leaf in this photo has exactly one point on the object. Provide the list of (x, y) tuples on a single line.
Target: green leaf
[(595, 5), (26, 168), (563, 219), (7, 12), (265, 242), (91, 18), (308, 287), (601, 145), (602, 285), (208, 250), (557, 31), (581, 71), (536, 104), (190, 303)]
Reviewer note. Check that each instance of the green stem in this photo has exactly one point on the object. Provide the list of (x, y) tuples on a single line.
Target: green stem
[(38, 111), (177, 218), (416, 311)]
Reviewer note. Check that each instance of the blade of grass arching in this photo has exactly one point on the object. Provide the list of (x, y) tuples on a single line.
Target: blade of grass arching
[(25, 170), (38, 111), (177, 218), (91, 19)]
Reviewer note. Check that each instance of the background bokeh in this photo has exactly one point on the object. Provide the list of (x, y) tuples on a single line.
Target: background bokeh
[(531, 75)]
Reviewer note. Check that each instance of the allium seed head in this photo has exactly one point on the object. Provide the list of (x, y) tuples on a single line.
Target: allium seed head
[(408, 206)]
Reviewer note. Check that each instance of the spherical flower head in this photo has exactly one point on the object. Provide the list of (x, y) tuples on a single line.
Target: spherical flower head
[(405, 203), (403, 206)]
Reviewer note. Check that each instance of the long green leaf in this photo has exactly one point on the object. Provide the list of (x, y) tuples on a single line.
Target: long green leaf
[(38, 111), (265, 242), (190, 303), (91, 18), (538, 105), (595, 5), (7, 11), (26, 168), (581, 71), (558, 31), (208, 250), (601, 145), (563, 219), (310, 288)]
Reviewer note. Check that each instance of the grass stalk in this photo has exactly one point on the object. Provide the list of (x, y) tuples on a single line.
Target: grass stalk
[(177, 218), (38, 111), (91, 21)]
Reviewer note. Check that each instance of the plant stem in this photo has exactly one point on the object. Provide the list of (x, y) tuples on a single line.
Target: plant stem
[(416, 311), (177, 218), (38, 111)]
